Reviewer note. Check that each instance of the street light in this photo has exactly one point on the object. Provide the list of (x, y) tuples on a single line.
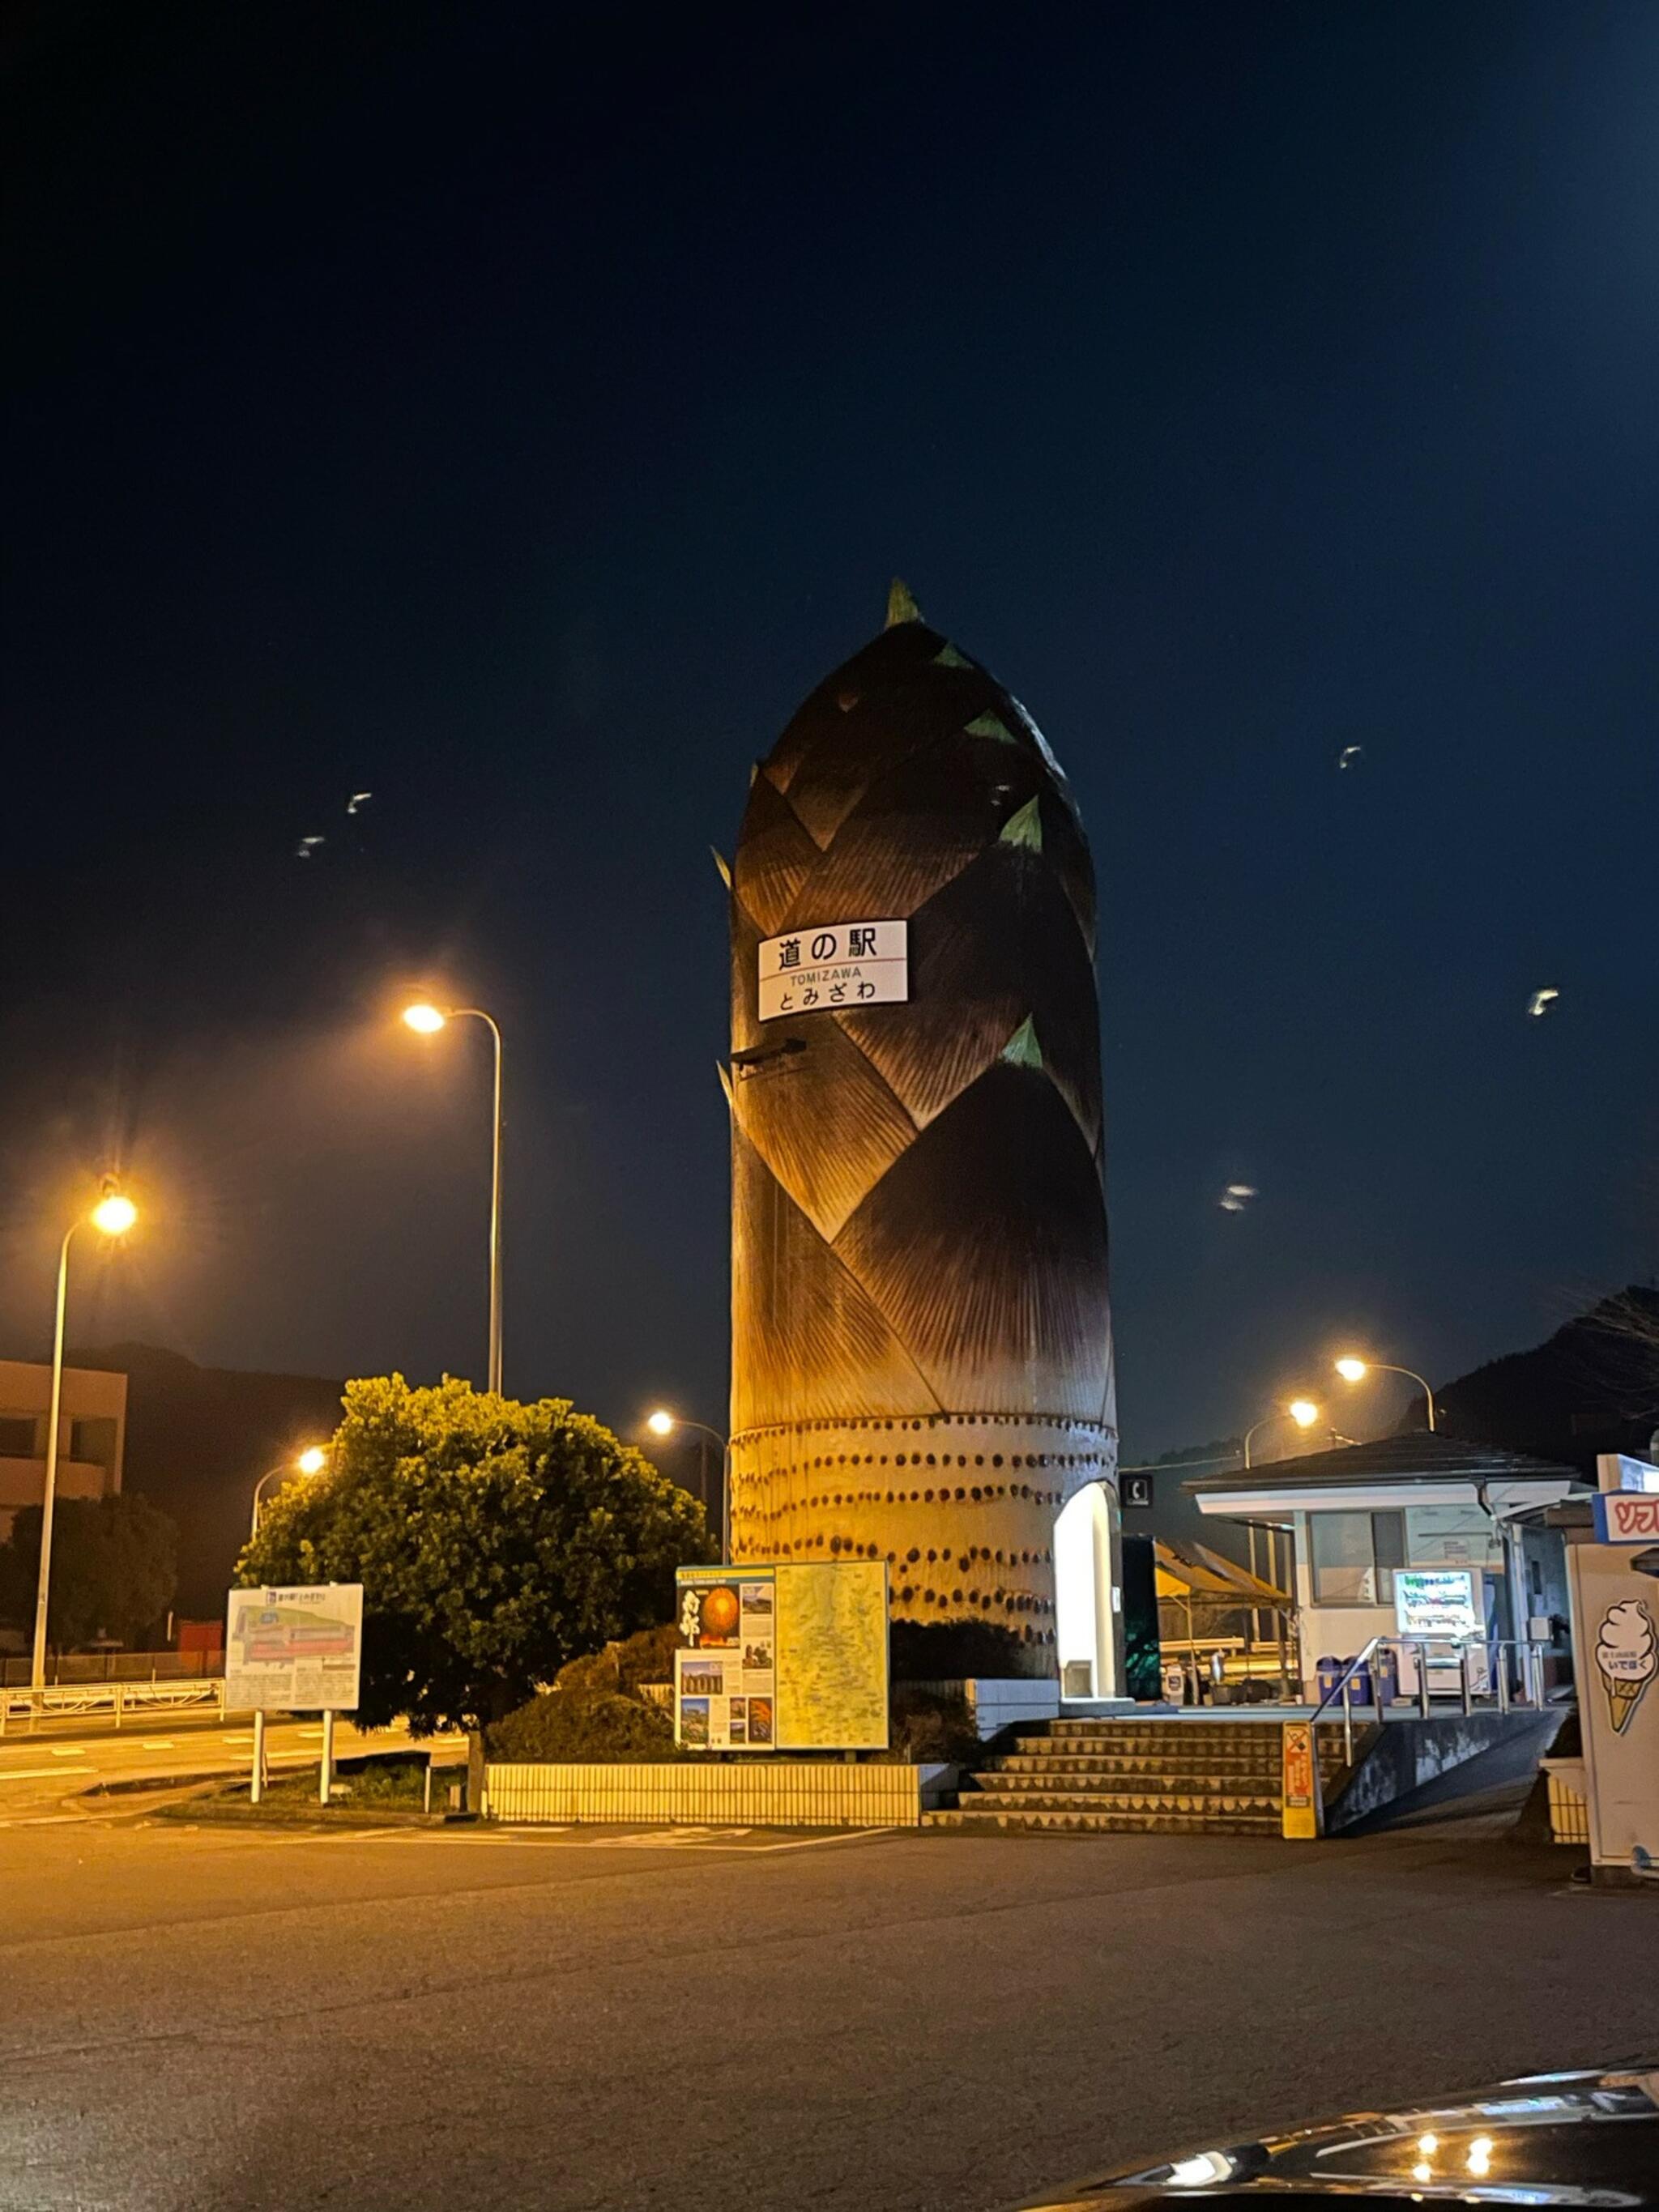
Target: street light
[(113, 1216), (312, 1461), (1352, 1369), (426, 1020), (1302, 1411), (662, 1423)]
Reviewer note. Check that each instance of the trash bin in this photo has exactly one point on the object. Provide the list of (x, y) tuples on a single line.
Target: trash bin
[(1387, 1663), (1329, 1672)]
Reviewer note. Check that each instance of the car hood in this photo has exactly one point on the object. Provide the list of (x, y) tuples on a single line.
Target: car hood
[(1586, 2139)]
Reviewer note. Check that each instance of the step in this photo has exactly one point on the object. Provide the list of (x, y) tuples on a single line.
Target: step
[(1198, 1805), (1028, 1822), (1199, 1788), (1125, 1762)]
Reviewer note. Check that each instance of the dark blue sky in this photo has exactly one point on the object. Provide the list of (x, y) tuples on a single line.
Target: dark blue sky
[(515, 421)]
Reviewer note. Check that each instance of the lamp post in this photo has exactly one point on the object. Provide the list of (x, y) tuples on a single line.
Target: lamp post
[(662, 1423), (311, 1460), (426, 1020), (1304, 1413), (1352, 1369), (113, 1216)]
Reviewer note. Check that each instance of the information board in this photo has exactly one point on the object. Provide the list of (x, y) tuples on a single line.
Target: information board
[(782, 1658), (294, 1650), (832, 1655), (724, 1677)]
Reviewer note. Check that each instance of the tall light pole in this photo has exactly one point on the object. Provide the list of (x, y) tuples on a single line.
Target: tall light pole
[(312, 1461), (1352, 1369), (426, 1020), (662, 1423), (113, 1216), (1304, 1413)]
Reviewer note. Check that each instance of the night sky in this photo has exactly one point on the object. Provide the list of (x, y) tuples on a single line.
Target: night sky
[(512, 413)]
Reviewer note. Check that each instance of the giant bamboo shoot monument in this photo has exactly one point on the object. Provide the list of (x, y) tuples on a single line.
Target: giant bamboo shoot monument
[(921, 1353)]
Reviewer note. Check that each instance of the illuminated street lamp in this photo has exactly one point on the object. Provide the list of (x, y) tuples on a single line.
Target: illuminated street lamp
[(662, 1423), (426, 1020), (113, 1216), (1302, 1411), (312, 1461), (1352, 1369)]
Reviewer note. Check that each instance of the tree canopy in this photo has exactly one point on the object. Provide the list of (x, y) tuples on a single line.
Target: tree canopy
[(114, 1567), (495, 1541)]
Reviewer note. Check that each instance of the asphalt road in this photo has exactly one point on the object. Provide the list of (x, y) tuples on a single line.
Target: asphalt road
[(195, 2019), (43, 1777)]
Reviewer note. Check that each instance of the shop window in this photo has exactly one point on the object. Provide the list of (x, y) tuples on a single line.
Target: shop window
[(1355, 1555)]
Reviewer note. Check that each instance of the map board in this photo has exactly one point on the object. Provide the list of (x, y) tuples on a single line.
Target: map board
[(294, 1650), (782, 1658), (832, 1655)]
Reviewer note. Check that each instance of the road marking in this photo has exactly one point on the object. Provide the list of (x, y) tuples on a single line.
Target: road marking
[(307, 1731), (156, 1743), (37, 1773), (240, 1739), (70, 1751)]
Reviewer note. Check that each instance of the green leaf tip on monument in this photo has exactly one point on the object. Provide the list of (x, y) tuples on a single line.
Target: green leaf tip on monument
[(992, 726), (1022, 1050), (948, 656), (901, 607), (725, 868), (1024, 828)]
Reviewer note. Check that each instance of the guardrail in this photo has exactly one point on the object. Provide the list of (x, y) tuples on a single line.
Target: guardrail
[(73, 1700), (1465, 1657)]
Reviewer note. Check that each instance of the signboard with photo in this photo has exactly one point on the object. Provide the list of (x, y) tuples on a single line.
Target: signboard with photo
[(725, 1684), (782, 1658)]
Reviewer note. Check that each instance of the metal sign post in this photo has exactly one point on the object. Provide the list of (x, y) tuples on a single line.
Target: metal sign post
[(325, 1781), (256, 1787)]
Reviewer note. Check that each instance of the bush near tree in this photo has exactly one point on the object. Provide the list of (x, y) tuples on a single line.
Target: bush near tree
[(496, 1542), (114, 1569)]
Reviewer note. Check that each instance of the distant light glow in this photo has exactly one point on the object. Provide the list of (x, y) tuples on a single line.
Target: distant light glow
[(426, 1020), (1303, 1412), (115, 1214), (1422, 2171), (1480, 2158), (661, 1423), (1352, 1370), (1428, 2145), (312, 1459)]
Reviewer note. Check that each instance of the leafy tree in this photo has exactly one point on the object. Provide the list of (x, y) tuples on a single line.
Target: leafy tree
[(494, 1542), (114, 1568)]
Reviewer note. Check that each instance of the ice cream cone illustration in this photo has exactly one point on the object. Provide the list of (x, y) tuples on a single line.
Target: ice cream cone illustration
[(1627, 1658)]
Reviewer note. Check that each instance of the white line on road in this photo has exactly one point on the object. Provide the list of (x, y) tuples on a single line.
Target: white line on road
[(70, 1751), (36, 1773), (156, 1743)]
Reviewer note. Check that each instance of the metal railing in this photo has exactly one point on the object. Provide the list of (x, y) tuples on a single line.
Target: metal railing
[(1464, 1657), (75, 1700)]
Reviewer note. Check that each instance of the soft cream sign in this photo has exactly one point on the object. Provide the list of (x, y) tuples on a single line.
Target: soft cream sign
[(835, 967)]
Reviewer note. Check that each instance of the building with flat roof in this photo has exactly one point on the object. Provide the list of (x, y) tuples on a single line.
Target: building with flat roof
[(91, 1434)]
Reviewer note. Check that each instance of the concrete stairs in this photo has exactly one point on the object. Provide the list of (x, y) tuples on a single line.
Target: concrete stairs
[(1134, 1776)]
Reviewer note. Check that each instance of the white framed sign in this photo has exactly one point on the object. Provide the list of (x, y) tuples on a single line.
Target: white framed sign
[(836, 967), (298, 1649)]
